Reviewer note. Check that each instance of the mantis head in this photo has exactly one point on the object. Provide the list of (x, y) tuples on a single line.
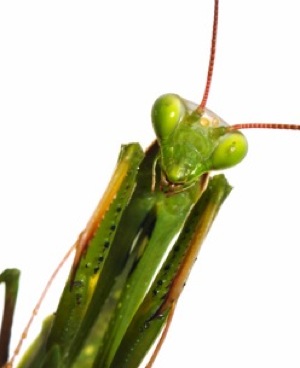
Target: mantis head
[(193, 141)]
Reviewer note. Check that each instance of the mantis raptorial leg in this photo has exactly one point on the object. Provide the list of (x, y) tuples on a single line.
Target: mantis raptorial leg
[(239, 106)]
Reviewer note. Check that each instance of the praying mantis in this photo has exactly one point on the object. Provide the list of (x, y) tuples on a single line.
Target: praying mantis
[(249, 106)]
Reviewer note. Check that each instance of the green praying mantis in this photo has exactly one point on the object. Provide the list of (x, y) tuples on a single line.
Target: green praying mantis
[(233, 222)]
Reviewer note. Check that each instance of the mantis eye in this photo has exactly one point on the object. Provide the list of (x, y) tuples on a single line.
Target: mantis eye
[(231, 150), (167, 112)]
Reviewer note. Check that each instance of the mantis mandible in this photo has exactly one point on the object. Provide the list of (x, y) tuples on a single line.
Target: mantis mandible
[(237, 100)]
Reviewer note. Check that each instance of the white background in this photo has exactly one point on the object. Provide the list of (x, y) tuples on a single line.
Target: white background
[(77, 79)]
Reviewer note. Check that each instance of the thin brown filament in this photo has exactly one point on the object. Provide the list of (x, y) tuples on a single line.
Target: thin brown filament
[(202, 105), (264, 126)]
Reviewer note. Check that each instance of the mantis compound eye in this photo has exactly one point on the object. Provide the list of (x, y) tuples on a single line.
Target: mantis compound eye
[(230, 151), (167, 112)]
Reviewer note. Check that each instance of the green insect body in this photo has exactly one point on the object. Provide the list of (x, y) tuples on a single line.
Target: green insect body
[(116, 301), (134, 256)]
